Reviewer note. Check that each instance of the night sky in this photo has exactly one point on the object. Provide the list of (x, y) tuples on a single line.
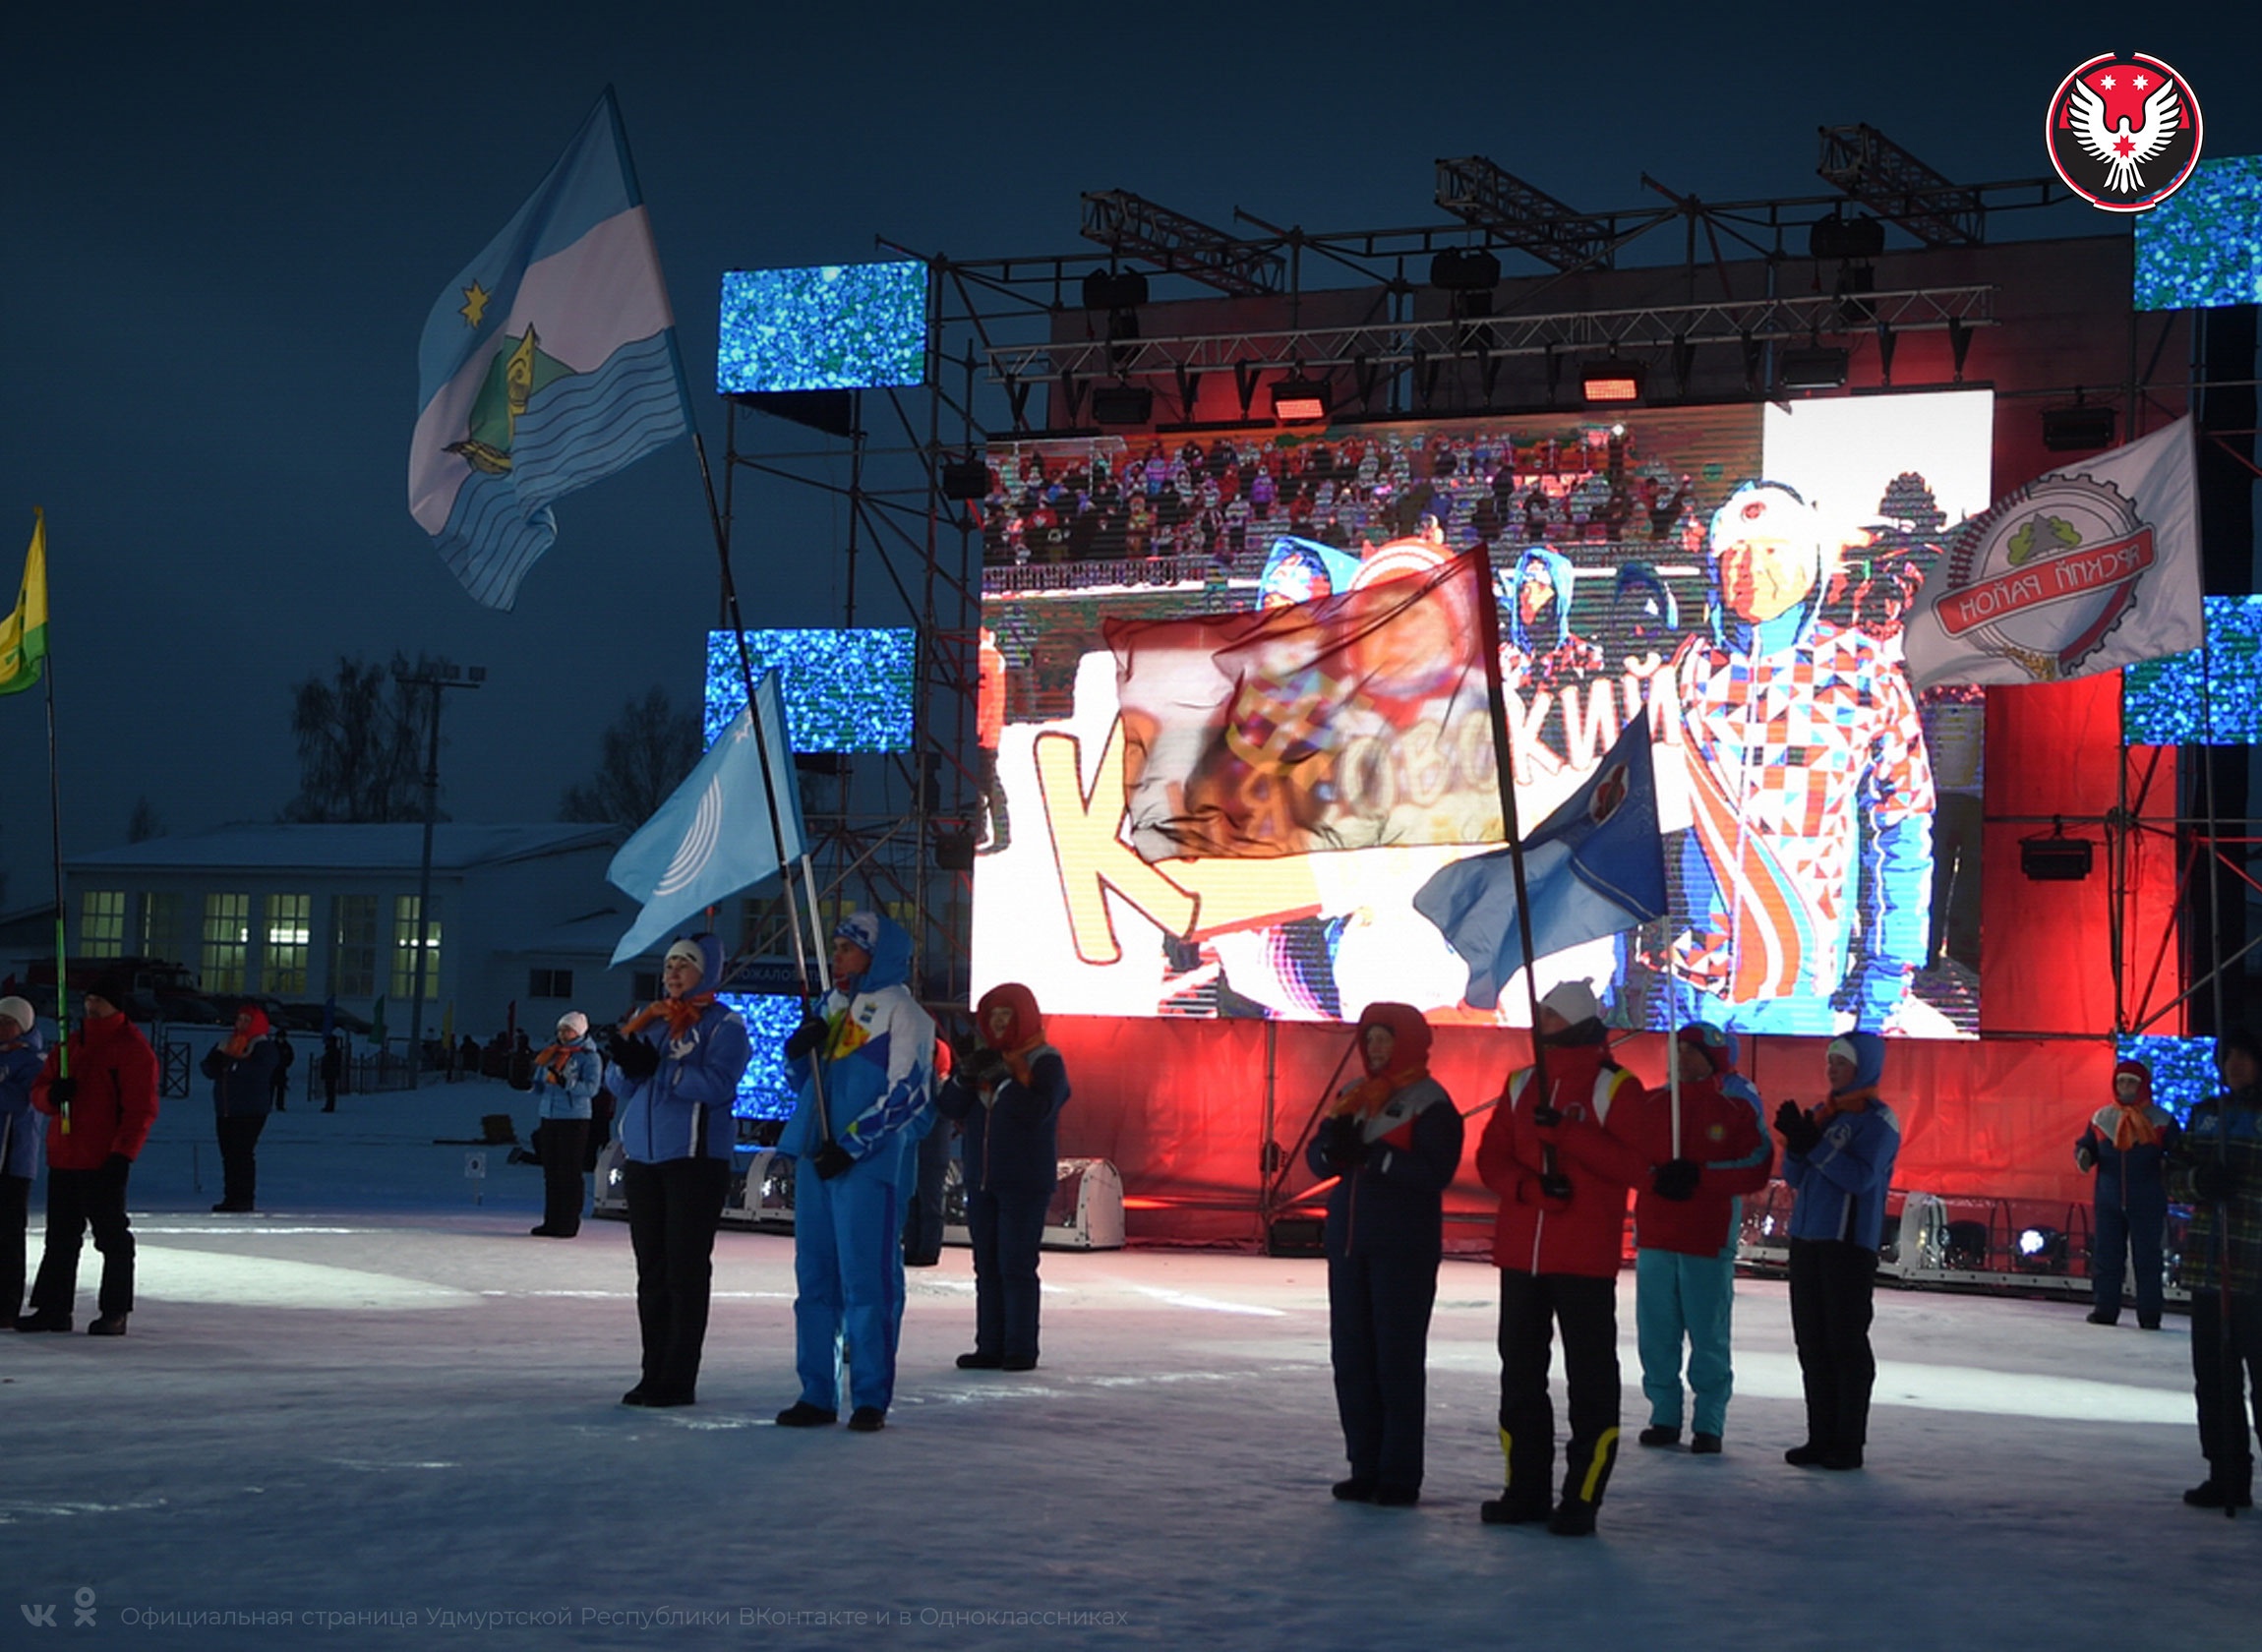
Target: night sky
[(227, 223)]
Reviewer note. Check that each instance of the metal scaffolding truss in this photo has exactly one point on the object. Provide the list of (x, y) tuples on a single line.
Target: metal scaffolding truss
[(1176, 245), (1515, 214), (1894, 184), (1385, 345)]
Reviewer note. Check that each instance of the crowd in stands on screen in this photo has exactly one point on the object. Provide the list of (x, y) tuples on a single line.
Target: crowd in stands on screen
[(1218, 503)]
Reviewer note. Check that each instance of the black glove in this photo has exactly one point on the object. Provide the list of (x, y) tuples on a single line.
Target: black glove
[(1801, 1134), (807, 1037), (1546, 1117), (2085, 1154), (986, 1070), (830, 1161), (62, 1090), (117, 1164), (2213, 1180), (1676, 1179), (1556, 1185), (636, 1059), (1346, 1147)]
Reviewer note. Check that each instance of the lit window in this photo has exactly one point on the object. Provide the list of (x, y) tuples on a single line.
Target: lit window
[(353, 965), (290, 928), (228, 942), (101, 922), (405, 952)]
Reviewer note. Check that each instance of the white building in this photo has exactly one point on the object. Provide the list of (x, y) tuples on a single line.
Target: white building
[(519, 915)]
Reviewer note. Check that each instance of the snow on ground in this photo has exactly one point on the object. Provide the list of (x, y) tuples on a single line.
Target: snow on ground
[(381, 1398)]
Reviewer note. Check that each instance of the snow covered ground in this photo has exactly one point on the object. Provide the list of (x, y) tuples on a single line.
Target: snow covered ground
[(381, 1404)]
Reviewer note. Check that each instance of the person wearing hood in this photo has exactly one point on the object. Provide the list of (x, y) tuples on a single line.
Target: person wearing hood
[(20, 1062), (2218, 1167), (1393, 1142), (1540, 648), (1007, 1095), (1838, 1158), (98, 1116), (1811, 861), (1560, 1158), (567, 1075), (2127, 1144), (680, 1059), (242, 1067), (864, 1062), (1686, 1223)]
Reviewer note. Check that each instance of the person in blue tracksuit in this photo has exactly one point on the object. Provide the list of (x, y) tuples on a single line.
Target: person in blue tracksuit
[(20, 1055), (869, 1051), (1838, 1158), (566, 1075), (1394, 1140), (2128, 1142), (680, 1059), (1007, 1094)]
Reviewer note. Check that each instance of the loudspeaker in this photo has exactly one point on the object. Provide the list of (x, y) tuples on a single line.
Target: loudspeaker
[(1297, 1236)]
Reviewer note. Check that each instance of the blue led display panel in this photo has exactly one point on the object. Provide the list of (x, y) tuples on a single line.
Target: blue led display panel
[(2205, 696), (2202, 247), (763, 1090), (837, 327), (846, 690)]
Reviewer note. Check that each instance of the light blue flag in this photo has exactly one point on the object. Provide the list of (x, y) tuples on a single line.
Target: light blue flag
[(1594, 866), (712, 837), (549, 364)]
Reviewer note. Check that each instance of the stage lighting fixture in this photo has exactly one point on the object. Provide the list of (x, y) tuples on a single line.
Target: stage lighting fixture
[(2041, 1250), (1115, 289), (1816, 367), (1296, 1236), (1610, 380), (1835, 237), (1465, 269), (965, 479), (1122, 404), (1298, 400), (954, 849), (2081, 428), (2055, 858)]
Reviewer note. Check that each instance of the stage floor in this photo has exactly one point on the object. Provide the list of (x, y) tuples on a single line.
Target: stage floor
[(379, 1399)]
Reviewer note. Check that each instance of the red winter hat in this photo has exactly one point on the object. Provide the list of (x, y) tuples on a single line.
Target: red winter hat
[(2142, 1074)]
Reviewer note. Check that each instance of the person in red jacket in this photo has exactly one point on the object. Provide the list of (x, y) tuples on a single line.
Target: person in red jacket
[(1685, 1226), (1561, 1161), (99, 1117)]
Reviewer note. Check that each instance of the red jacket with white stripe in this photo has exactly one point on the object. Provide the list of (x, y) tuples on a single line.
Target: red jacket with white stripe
[(1583, 1234)]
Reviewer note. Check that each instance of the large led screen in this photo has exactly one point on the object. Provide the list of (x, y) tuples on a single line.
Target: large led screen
[(838, 327), (1822, 825), (2203, 696), (2202, 247), (845, 690)]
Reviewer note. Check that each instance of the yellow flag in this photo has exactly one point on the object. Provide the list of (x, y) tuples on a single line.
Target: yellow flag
[(24, 632)]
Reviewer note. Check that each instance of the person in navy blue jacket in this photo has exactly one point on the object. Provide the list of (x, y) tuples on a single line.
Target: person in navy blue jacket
[(1007, 1094), (1393, 1141), (680, 1059), (242, 1067), (1838, 1158), (2128, 1142), (20, 1131)]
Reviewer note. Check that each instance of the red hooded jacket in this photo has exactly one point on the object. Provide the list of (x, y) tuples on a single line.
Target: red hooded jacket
[(117, 1099), (1720, 1133), (1585, 1235)]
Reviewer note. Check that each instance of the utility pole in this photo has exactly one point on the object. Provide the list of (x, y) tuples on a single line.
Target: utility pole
[(435, 674)]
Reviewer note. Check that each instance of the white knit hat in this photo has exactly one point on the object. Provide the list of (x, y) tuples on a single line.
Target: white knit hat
[(1573, 1001), (574, 1024), (18, 1012)]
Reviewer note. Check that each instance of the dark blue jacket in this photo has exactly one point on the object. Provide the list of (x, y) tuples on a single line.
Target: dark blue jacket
[(246, 1088), (2135, 1179), (19, 1128), (1393, 1203), (1012, 1146)]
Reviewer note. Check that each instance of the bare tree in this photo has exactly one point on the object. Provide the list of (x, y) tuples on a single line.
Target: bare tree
[(642, 756), (360, 744), (142, 824)]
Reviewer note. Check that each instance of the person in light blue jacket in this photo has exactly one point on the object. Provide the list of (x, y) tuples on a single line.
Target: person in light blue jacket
[(680, 1059), (21, 1054), (567, 1075), (1838, 1158), (865, 1063)]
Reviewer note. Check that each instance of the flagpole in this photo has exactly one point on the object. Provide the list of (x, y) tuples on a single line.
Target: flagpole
[(1673, 1039), (55, 841), (1488, 622)]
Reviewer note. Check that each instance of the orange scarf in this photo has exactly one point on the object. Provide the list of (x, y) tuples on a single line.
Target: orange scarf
[(1017, 1059), (2134, 1127), (555, 1056), (1367, 1097), (239, 1046), (681, 1015), (1848, 1102)]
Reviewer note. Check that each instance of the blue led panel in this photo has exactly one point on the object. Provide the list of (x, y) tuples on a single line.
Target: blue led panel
[(2182, 1069), (764, 1091), (2206, 697), (845, 690), (2202, 247), (839, 326)]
